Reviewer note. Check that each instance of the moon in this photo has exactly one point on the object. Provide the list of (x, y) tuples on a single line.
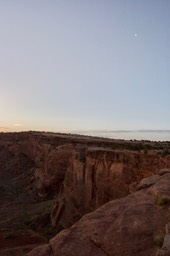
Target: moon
[(135, 35)]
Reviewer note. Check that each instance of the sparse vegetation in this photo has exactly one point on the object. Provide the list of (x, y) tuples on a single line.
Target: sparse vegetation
[(162, 200), (165, 152), (158, 238), (82, 158), (145, 151), (81, 155), (163, 148)]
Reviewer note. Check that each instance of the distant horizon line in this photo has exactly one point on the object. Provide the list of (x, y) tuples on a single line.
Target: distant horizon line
[(121, 131), (142, 134), (89, 130)]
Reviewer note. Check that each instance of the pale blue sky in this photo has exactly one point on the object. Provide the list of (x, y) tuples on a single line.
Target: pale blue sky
[(69, 65)]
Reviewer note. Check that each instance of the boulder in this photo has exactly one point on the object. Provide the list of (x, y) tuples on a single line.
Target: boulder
[(147, 182)]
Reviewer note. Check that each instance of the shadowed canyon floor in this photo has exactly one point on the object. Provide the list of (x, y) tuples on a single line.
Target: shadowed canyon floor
[(48, 182)]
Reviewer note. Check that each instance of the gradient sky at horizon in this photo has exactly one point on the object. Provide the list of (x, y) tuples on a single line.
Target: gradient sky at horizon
[(70, 65)]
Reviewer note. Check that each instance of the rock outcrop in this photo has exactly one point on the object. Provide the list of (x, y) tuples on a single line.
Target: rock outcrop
[(96, 176), (133, 225), (86, 160), (49, 161), (77, 175)]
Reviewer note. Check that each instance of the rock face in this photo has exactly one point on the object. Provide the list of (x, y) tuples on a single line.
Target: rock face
[(96, 176), (49, 161), (52, 164), (82, 174), (123, 227), (89, 163), (32, 169)]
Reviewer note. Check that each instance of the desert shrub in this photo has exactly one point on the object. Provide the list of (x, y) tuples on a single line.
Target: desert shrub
[(158, 238), (165, 152), (145, 151), (82, 158), (81, 155), (162, 200)]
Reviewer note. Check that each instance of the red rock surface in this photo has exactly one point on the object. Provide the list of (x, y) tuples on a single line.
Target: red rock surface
[(52, 157), (122, 227), (49, 160), (19, 241), (96, 176), (82, 173)]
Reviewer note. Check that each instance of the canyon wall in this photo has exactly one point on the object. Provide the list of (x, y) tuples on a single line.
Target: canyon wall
[(137, 224), (49, 161), (81, 172), (96, 176), (69, 176)]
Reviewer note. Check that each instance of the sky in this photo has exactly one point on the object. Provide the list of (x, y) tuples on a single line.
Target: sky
[(75, 65)]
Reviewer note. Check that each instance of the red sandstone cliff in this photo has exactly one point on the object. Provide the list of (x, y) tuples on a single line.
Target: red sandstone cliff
[(96, 176), (49, 161), (82, 173), (137, 224)]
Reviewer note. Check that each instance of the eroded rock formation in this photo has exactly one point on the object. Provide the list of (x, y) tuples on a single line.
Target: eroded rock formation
[(96, 176), (49, 160), (76, 175), (133, 225)]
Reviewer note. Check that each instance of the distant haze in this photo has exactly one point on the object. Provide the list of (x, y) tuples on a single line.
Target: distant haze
[(70, 65), (156, 135)]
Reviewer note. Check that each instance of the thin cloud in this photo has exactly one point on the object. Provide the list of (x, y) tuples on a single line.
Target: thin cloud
[(18, 125), (4, 128)]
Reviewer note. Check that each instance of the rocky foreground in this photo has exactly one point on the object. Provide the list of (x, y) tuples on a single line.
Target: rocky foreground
[(109, 197), (138, 224)]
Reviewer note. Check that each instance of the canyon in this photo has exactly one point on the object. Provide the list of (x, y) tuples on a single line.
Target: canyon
[(64, 194)]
